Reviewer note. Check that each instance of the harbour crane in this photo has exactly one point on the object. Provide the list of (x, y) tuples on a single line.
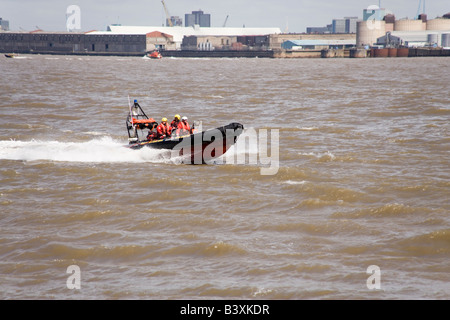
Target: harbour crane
[(225, 23), (418, 9), (169, 20)]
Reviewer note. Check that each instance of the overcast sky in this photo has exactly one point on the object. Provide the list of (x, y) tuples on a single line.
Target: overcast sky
[(288, 15)]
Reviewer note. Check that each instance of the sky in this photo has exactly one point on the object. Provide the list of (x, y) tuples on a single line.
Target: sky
[(288, 15)]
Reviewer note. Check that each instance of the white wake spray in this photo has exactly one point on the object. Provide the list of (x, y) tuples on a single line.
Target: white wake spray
[(100, 150)]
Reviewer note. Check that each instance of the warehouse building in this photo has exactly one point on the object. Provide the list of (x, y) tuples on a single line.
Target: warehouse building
[(71, 43), (318, 44), (210, 43)]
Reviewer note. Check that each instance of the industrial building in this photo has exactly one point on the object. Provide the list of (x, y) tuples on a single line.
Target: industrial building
[(174, 21), (345, 25), (4, 25), (174, 35), (71, 43), (318, 44), (378, 29), (129, 40), (327, 29), (159, 41), (414, 39), (414, 32), (197, 18), (230, 42)]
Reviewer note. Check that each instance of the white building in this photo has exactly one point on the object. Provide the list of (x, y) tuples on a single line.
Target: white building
[(415, 38), (178, 33)]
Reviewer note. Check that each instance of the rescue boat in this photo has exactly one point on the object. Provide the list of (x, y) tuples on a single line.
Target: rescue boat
[(198, 147), (154, 55)]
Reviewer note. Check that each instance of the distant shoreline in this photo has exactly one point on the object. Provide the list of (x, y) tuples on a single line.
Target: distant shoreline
[(273, 54)]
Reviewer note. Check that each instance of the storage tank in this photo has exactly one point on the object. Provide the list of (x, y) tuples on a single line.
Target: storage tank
[(433, 39), (367, 32), (389, 27), (438, 24), (409, 25), (445, 40)]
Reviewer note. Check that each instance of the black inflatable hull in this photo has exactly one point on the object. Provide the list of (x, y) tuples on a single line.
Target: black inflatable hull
[(198, 147)]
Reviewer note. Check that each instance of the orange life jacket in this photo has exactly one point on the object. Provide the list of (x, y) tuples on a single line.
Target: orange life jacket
[(183, 128), (163, 130)]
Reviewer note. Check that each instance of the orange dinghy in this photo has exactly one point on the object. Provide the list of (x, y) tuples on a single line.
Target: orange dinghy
[(154, 55)]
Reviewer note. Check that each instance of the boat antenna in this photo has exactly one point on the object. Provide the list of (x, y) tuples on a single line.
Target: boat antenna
[(131, 114)]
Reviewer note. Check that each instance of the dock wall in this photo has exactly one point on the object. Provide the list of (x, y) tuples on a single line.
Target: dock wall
[(218, 53)]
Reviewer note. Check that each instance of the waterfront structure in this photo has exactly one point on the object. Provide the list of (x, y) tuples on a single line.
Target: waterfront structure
[(197, 18), (72, 43), (367, 32), (414, 39), (159, 41), (276, 40), (411, 32), (133, 40), (178, 33), (230, 42)]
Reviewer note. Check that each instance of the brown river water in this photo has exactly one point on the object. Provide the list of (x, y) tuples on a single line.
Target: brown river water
[(362, 179)]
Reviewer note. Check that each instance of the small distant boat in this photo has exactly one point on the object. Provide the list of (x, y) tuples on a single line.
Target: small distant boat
[(154, 55), (10, 55)]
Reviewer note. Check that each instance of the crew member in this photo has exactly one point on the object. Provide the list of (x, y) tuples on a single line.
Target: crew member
[(175, 122), (163, 129), (183, 127), (152, 134)]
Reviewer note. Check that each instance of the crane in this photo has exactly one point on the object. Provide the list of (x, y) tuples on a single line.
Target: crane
[(167, 14), (418, 9), (225, 23)]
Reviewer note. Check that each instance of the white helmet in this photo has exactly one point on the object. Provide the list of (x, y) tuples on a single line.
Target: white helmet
[(184, 118)]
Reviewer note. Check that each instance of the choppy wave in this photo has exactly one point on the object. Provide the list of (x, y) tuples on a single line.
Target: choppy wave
[(360, 181)]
